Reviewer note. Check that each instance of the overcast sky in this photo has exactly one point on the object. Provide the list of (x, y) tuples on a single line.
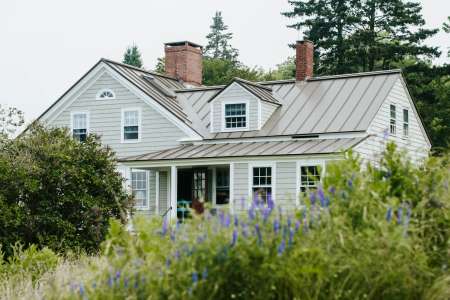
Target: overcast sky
[(47, 45)]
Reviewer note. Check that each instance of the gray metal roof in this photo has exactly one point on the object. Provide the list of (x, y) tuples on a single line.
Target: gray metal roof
[(344, 103), (271, 148)]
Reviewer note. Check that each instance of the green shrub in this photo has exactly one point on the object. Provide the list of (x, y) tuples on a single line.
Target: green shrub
[(57, 192)]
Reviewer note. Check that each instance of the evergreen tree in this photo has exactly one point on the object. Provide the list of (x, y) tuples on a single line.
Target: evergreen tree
[(219, 41), (446, 28), (132, 57), (362, 35), (160, 65)]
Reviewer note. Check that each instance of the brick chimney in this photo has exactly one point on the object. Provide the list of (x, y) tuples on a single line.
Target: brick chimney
[(184, 61), (305, 60)]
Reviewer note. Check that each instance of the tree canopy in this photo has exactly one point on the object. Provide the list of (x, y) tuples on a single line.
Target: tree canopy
[(219, 38), (132, 57)]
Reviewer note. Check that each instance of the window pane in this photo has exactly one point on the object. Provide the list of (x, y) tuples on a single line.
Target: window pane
[(131, 118), (131, 132), (235, 115), (139, 187), (309, 178), (405, 116)]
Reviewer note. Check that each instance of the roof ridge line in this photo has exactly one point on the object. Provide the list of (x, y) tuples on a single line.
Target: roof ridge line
[(352, 75), (138, 69), (251, 83)]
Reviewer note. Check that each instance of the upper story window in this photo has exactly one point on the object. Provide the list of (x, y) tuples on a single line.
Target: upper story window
[(131, 125), (80, 126), (235, 116), (139, 188), (393, 120), (105, 94), (405, 122)]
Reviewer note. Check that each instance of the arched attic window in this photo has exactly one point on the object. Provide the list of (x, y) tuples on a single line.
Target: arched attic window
[(105, 94)]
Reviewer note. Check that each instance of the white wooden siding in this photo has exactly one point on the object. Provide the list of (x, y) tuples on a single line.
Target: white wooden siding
[(240, 186), (267, 110), (235, 92), (415, 144), (163, 192), (286, 184), (105, 119)]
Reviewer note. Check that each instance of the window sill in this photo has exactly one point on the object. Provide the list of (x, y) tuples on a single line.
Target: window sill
[(130, 141)]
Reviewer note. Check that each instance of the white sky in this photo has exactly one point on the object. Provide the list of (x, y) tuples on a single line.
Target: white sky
[(47, 45)]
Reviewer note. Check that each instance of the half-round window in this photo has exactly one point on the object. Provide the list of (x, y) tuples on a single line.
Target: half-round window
[(105, 94)]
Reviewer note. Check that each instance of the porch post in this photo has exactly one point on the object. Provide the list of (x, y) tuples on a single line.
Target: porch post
[(157, 193), (231, 182), (173, 191)]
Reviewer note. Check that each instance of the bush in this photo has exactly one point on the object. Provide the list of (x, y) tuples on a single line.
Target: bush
[(57, 192)]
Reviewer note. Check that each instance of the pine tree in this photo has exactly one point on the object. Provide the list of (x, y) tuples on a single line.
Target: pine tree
[(160, 65), (219, 41), (446, 28), (361, 35), (132, 57)]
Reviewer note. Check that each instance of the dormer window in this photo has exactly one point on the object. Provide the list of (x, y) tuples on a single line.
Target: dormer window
[(105, 94), (235, 116)]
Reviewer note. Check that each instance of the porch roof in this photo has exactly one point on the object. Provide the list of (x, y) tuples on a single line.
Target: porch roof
[(244, 149)]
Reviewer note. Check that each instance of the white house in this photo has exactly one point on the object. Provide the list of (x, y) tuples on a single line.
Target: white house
[(178, 140)]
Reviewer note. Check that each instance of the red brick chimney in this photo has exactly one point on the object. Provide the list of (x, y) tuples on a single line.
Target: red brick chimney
[(184, 61), (305, 60)]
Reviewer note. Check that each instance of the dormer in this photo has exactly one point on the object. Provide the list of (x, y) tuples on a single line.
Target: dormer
[(242, 106)]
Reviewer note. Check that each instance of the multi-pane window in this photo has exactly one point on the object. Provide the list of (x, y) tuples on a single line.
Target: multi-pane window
[(139, 187), (309, 178), (131, 125), (262, 183), (393, 120), (79, 126), (405, 122), (199, 185), (235, 115), (222, 186)]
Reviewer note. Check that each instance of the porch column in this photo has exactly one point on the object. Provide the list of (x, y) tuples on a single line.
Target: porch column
[(231, 183), (173, 191)]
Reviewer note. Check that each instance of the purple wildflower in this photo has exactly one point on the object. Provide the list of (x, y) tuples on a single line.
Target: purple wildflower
[(164, 226), (350, 183), (117, 275), (172, 235), (291, 237), (194, 277), (332, 190), (168, 262), (236, 221), (312, 198), (251, 213), (389, 214), (227, 221), (276, 226), (82, 291), (221, 216), (270, 203), (321, 195), (266, 213), (258, 233), (297, 225), (244, 230), (234, 238), (110, 281), (281, 247), (125, 282)]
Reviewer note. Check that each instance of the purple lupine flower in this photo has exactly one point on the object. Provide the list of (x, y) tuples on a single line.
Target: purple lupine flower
[(281, 247), (312, 198), (389, 214), (270, 203), (350, 183), (82, 291), (205, 274), (177, 254), (244, 230), (321, 195), (227, 221), (110, 281), (236, 221), (266, 213), (400, 215), (168, 262), (291, 237), (221, 216), (258, 233), (234, 238), (194, 277), (297, 225), (164, 226), (289, 221), (327, 201), (117, 275), (332, 190), (172, 235), (251, 213), (276, 225)]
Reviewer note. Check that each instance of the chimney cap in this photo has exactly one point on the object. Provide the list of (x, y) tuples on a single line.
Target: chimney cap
[(304, 41), (183, 43)]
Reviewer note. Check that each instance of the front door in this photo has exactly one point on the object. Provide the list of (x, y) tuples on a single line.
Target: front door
[(199, 185)]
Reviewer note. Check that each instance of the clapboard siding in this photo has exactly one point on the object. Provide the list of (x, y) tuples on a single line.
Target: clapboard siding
[(286, 184), (163, 192), (105, 117), (267, 110), (235, 92), (415, 144), (240, 185)]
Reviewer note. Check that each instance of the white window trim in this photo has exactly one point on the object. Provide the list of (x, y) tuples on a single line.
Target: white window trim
[(395, 120), (247, 119), (97, 97), (262, 164), (306, 163), (87, 120), (122, 124), (147, 179), (403, 122)]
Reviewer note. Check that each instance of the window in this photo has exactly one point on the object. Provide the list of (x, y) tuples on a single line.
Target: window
[(235, 115), (131, 124), (105, 94), (262, 183), (405, 122), (222, 186), (393, 118), (139, 188), (309, 178), (79, 126)]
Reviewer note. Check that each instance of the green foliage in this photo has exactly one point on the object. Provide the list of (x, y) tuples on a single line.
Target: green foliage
[(446, 28), (222, 71), (218, 46), (365, 35), (369, 233), (10, 119), (57, 192), (160, 65), (132, 57)]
